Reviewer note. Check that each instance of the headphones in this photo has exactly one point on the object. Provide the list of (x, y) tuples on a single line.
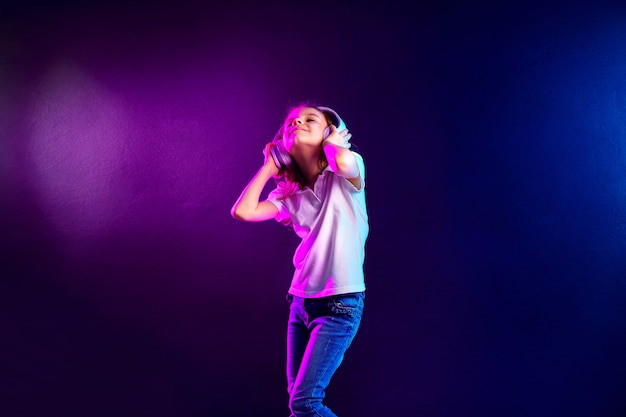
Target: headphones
[(282, 158)]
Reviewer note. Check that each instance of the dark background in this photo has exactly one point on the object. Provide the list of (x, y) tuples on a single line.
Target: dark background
[(494, 139)]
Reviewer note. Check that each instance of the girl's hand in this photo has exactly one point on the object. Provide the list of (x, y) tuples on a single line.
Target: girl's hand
[(339, 138), (269, 163)]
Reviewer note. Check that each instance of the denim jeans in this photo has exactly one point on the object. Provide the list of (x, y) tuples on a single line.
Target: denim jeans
[(318, 333)]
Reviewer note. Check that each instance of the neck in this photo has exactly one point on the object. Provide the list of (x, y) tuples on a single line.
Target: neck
[(309, 162)]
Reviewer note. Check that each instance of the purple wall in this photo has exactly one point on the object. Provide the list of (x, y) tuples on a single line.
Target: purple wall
[(494, 142)]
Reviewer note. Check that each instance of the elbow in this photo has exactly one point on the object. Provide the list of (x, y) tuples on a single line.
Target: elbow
[(346, 166), (239, 213), (236, 212)]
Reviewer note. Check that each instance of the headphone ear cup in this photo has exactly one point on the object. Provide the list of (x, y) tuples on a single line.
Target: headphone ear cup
[(281, 157)]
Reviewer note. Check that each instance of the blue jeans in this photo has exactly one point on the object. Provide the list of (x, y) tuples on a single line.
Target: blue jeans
[(318, 333)]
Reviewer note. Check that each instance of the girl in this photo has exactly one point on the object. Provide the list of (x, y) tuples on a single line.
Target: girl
[(320, 193)]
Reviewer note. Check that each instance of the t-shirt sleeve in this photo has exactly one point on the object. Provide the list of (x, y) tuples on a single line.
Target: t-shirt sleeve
[(359, 160), (361, 164), (283, 213)]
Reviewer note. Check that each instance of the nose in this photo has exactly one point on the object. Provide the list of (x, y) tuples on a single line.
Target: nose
[(296, 121)]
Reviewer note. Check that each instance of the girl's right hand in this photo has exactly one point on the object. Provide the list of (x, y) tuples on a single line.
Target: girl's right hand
[(269, 163)]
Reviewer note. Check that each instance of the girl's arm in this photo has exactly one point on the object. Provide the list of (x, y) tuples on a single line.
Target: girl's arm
[(248, 207), (340, 159)]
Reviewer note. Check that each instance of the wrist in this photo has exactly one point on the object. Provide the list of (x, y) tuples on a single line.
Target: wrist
[(336, 145), (327, 142), (269, 169)]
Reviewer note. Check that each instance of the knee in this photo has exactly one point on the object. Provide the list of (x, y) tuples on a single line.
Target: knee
[(301, 407)]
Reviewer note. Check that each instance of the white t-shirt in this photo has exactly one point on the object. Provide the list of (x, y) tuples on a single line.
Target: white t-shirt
[(333, 224)]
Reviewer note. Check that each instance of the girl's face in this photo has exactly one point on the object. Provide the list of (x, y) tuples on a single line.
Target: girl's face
[(304, 126)]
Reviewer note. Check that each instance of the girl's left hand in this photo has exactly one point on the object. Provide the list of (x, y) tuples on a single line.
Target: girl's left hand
[(338, 138)]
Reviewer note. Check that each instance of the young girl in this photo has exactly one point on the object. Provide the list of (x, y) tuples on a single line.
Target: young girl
[(320, 193)]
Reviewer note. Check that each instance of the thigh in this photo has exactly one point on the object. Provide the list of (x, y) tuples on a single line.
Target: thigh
[(333, 324), (297, 339)]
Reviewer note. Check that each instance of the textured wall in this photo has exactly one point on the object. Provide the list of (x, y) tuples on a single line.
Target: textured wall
[(493, 137)]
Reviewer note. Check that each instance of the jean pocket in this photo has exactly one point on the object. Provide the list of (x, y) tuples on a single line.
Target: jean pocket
[(350, 304)]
